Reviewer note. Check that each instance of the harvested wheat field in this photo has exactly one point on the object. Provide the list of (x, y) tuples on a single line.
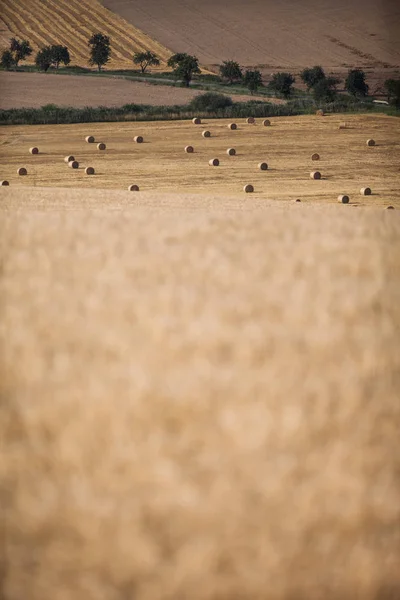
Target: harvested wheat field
[(160, 164), (199, 393), (71, 23)]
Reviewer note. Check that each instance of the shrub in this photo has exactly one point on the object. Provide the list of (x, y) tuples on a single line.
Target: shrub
[(252, 80), (282, 83), (210, 102), (325, 90), (355, 83), (7, 60), (312, 76), (231, 71)]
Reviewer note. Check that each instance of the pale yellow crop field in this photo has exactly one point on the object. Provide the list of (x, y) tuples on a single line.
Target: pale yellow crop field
[(71, 23), (160, 164)]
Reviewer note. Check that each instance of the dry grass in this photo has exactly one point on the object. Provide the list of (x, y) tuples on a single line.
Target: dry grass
[(199, 396), (346, 162)]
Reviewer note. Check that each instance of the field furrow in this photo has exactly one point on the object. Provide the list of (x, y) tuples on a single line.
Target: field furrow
[(71, 24)]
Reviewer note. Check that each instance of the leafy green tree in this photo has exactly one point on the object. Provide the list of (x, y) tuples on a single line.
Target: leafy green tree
[(325, 89), (43, 59), (59, 54), (7, 60), (146, 59), (282, 83), (100, 50), (184, 66), (392, 87), (20, 49), (252, 80), (231, 71), (312, 76), (355, 83)]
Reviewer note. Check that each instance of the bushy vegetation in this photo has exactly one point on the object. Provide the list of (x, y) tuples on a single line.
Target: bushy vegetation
[(252, 80), (282, 83), (18, 50), (210, 101), (231, 71), (392, 87), (355, 83)]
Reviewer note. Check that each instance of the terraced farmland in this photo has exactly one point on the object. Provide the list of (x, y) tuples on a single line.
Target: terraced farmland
[(71, 23), (160, 163)]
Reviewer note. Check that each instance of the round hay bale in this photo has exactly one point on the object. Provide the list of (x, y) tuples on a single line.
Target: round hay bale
[(342, 126), (138, 139), (22, 171), (189, 149), (206, 133), (266, 122), (214, 162), (101, 146), (89, 139), (320, 113), (343, 198), (315, 175), (370, 142), (73, 164), (4, 182), (298, 200), (133, 188), (250, 120), (232, 126), (315, 156), (68, 158), (263, 166), (196, 121), (89, 171), (231, 152), (34, 150), (390, 207), (365, 191), (248, 188)]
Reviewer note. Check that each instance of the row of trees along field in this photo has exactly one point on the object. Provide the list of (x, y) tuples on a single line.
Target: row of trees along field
[(184, 66)]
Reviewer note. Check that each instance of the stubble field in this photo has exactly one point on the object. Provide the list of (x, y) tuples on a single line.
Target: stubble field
[(160, 163)]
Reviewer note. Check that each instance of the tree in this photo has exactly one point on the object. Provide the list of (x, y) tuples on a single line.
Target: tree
[(59, 54), (355, 83), (43, 58), (184, 66), (231, 71), (100, 50), (325, 89), (20, 49), (252, 80), (7, 60), (392, 87), (210, 101), (146, 59), (282, 83), (312, 76)]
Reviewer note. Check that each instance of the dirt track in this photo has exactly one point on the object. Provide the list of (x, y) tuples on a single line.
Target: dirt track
[(201, 398)]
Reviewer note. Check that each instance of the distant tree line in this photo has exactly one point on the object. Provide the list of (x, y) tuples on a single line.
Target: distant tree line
[(184, 67)]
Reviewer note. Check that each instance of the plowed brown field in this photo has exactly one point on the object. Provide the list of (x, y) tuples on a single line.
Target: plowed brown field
[(71, 23), (274, 35), (161, 164)]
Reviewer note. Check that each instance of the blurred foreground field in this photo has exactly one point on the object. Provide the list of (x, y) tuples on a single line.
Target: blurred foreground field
[(160, 163), (199, 397)]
